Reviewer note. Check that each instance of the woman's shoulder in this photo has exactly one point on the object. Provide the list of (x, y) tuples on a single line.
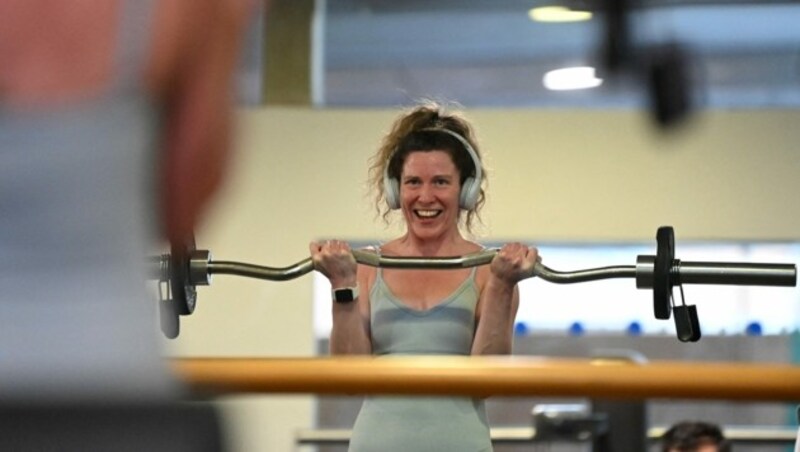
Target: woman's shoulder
[(390, 248), (482, 272), (474, 247), (367, 273)]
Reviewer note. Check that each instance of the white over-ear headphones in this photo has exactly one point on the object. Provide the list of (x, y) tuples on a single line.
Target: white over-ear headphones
[(470, 189)]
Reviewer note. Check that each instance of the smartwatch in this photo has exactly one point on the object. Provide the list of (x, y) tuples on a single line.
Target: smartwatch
[(345, 294)]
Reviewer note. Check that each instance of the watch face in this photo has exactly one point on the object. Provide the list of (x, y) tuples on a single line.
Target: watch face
[(343, 295)]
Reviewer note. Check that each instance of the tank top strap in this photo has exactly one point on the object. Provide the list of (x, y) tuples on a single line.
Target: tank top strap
[(475, 269), (134, 41), (379, 270)]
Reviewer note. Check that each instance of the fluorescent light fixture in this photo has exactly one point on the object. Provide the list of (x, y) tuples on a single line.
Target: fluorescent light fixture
[(558, 14), (571, 78)]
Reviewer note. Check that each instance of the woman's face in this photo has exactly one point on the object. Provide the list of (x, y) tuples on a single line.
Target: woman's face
[(429, 191)]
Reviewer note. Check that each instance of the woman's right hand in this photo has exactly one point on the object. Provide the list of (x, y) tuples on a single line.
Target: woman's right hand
[(334, 259)]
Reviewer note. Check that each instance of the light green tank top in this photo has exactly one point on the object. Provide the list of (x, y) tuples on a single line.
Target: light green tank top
[(445, 329), (422, 424)]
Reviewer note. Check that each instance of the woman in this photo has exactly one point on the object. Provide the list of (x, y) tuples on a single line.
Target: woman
[(429, 168)]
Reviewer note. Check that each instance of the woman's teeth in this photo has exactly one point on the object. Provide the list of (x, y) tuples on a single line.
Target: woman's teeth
[(428, 213)]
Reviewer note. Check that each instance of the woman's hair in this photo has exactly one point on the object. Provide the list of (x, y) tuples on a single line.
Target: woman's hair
[(408, 135), (688, 436)]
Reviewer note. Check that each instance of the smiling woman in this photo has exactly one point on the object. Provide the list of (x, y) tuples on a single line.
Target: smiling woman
[(429, 168)]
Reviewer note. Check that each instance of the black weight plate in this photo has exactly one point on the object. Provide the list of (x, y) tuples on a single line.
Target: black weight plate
[(662, 282), (184, 293)]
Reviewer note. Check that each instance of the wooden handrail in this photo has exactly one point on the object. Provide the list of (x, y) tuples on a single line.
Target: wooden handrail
[(493, 376)]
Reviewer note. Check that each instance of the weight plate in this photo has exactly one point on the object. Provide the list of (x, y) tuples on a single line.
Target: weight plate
[(662, 280), (184, 293)]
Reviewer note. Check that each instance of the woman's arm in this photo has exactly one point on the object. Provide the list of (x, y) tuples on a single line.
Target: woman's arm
[(497, 309), (499, 299), (350, 332)]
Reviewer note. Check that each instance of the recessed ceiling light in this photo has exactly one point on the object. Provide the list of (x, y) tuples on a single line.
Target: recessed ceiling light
[(571, 78), (558, 14)]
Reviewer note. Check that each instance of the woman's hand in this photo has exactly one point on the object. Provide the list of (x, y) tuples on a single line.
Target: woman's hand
[(334, 259), (514, 262)]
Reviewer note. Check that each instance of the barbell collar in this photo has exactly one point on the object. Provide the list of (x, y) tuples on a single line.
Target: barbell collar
[(198, 267), (645, 269)]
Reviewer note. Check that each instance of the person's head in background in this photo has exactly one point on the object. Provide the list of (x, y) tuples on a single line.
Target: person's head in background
[(694, 436)]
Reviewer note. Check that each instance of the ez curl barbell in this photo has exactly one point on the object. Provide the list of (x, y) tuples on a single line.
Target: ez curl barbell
[(187, 267)]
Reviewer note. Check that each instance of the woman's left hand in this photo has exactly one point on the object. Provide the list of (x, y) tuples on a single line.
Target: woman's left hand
[(514, 262)]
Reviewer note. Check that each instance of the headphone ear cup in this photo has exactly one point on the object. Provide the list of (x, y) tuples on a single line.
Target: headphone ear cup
[(470, 191), (391, 191)]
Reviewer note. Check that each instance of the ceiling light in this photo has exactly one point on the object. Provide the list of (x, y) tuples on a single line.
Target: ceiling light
[(571, 78), (558, 14)]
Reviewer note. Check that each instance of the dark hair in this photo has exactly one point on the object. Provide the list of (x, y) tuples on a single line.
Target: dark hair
[(687, 436)]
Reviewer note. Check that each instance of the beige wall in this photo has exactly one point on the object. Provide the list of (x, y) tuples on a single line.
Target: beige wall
[(555, 175)]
